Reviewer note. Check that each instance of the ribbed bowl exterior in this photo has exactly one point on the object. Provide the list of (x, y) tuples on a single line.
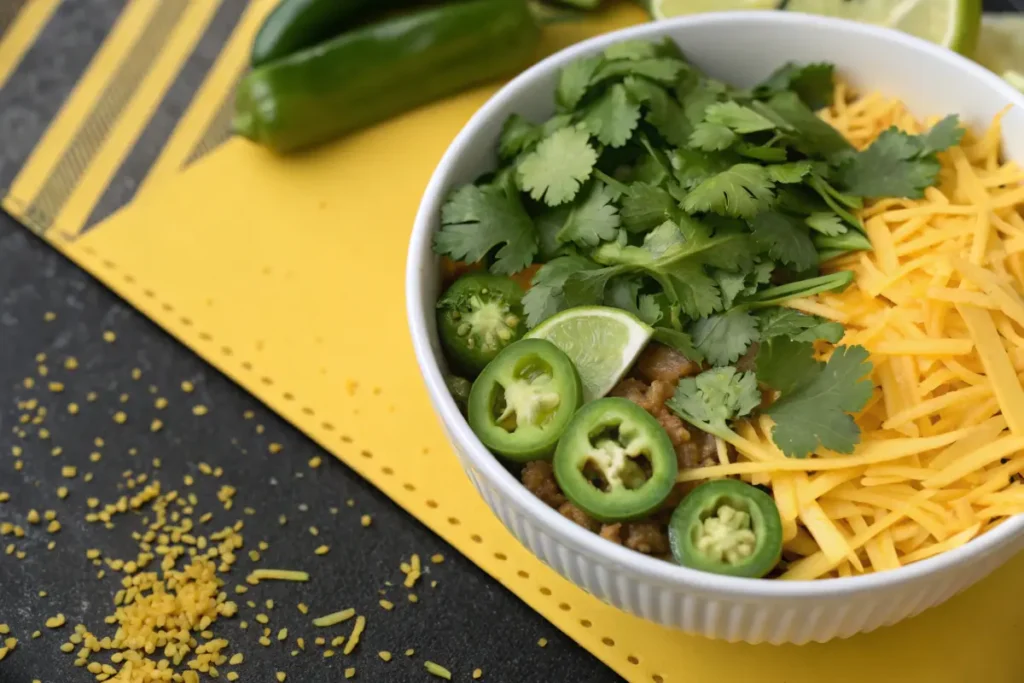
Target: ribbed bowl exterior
[(776, 621)]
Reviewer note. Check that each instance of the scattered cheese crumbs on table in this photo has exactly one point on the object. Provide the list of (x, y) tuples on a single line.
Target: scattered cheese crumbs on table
[(69, 471), (160, 403), (303, 608), (274, 448), (437, 670), (32, 517), (136, 373), (62, 492), (55, 622), (350, 672), (357, 631), (278, 575), (199, 409), (282, 634), (437, 558), (385, 655), (109, 336), (73, 408), (187, 386), (49, 316), (332, 619), (56, 387), (120, 417), (477, 673), (70, 363), (543, 642), (322, 550), (281, 676), (387, 604), (366, 520), (156, 425)]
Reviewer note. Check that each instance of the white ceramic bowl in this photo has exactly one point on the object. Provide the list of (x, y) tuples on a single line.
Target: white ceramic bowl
[(741, 48)]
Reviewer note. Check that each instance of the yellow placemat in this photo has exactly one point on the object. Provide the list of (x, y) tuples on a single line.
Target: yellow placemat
[(287, 275)]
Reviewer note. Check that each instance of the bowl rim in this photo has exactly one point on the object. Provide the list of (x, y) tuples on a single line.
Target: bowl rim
[(488, 466)]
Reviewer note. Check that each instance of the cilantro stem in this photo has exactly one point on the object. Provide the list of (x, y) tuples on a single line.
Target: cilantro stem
[(851, 241), (773, 296)]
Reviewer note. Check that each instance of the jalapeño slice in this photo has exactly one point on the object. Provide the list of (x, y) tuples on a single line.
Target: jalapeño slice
[(524, 398), (727, 527), (615, 462)]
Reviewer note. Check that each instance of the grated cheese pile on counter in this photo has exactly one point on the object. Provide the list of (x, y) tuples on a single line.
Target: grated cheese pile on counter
[(939, 304)]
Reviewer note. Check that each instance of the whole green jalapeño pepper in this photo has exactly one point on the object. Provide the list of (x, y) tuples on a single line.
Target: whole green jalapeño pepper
[(478, 316), (615, 462), (297, 24), (522, 401), (382, 69), (727, 527)]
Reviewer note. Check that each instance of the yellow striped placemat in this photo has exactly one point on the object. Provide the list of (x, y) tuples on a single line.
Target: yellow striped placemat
[(287, 275)]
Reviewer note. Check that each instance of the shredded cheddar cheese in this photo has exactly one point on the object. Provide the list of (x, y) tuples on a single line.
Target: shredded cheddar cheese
[(939, 305)]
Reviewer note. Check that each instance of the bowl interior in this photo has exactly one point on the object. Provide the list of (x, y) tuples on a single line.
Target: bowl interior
[(741, 48)]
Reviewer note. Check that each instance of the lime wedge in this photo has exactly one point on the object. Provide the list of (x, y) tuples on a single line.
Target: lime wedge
[(602, 343), (1014, 78), (951, 23), (663, 9), (1001, 45)]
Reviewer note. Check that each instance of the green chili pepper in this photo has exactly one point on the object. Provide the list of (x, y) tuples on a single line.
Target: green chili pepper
[(727, 527), (615, 462), (383, 69), (477, 317), (297, 24), (524, 398)]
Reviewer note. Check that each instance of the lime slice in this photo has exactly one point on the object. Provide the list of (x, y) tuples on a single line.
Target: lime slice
[(1014, 78), (1001, 45), (663, 9), (602, 343), (952, 23)]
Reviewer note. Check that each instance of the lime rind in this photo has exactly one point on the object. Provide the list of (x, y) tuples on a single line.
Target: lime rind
[(602, 342)]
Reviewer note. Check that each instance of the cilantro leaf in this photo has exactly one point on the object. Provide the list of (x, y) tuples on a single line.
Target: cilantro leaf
[(711, 137), (549, 224), (692, 167), (663, 112), (773, 296), (587, 287), (812, 83), (613, 118), (517, 135), (476, 219), (574, 80), (660, 69), (545, 296), (811, 135), (632, 50), (680, 341), (724, 337), (624, 292), (800, 327), (897, 164), (697, 93), (785, 240), (945, 134), (593, 218), (789, 173), (645, 207), (743, 191), (714, 397), (815, 411), (558, 167), (784, 364), (731, 285), (736, 117), (765, 152), (826, 223)]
